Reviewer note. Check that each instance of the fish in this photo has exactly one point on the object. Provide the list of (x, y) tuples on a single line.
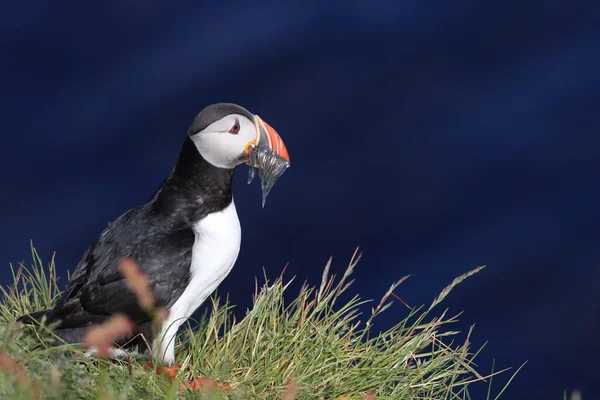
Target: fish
[(270, 168)]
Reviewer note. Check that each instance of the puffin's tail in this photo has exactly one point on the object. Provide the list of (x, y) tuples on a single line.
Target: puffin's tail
[(69, 335), (74, 333), (35, 317), (52, 314)]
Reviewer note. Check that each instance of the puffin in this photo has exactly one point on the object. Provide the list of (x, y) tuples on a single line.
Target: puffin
[(186, 238)]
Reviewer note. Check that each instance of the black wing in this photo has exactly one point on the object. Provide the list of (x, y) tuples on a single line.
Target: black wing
[(97, 288)]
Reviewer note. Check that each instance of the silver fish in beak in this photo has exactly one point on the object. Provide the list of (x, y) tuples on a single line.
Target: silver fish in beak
[(267, 154)]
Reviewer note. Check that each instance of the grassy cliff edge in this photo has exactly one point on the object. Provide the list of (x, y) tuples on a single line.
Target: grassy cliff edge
[(313, 347)]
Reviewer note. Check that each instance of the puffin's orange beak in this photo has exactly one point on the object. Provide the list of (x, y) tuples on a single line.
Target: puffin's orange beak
[(268, 138)]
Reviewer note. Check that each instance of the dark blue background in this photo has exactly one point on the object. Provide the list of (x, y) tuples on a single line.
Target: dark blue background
[(436, 135)]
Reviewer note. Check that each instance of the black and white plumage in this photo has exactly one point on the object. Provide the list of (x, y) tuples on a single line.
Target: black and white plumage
[(186, 238)]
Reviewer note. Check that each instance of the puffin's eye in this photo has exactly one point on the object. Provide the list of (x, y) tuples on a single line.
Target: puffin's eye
[(235, 128)]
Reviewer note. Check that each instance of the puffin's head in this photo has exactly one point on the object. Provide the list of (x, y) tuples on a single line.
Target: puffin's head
[(226, 133)]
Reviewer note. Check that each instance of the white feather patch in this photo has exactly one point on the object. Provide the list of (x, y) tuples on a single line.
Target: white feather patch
[(216, 248)]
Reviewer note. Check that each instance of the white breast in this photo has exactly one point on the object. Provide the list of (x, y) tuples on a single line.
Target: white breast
[(216, 248)]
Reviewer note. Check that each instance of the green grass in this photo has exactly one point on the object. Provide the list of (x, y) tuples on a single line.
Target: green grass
[(313, 347)]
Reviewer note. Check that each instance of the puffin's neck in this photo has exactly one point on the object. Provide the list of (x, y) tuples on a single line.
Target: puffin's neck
[(194, 189)]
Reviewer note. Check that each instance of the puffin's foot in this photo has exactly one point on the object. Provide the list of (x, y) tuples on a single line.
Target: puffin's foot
[(194, 384), (169, 372), (204, 384)]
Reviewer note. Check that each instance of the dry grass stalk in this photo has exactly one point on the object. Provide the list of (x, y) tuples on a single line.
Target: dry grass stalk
[(370, 396), (9, 365), (290, 390), (138, 282), (446, 291), (101, 337), (55, 375)]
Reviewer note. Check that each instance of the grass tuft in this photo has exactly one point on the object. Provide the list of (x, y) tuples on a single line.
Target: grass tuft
[(312, 347)]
